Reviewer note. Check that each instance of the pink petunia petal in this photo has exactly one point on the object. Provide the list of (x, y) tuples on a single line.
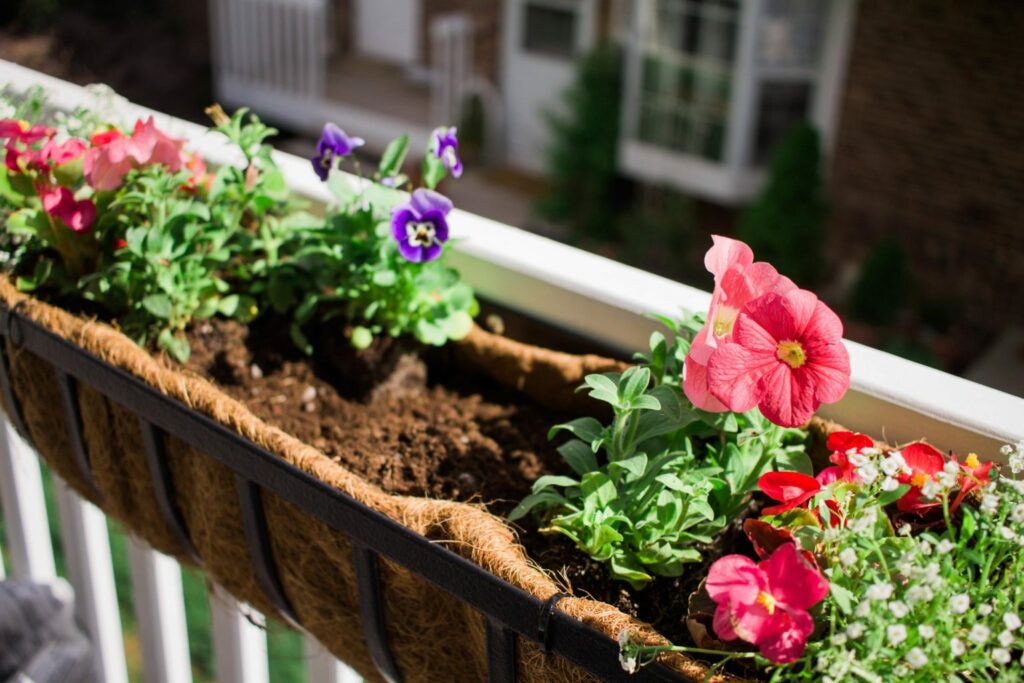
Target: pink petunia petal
[(722, 622), (787, 396), (726, 252), (695, 386), (792, 581), (734, 578), (787, 643), (753, 622), (750, 334), (734, 375)]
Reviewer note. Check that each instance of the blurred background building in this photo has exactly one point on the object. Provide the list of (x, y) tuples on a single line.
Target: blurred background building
[(872, 149)]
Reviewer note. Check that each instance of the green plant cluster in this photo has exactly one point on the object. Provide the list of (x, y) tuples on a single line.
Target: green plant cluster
[(663, 479)]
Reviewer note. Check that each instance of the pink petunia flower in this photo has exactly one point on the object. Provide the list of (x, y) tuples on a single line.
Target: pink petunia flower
[(738, 280), (57, 154), (786, 357), (113, 154), (60, 203), (766, 604)]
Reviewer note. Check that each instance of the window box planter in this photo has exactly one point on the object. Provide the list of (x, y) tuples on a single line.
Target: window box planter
[(402, 588)]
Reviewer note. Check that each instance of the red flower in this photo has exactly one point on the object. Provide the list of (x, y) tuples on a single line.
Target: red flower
[(842, 442), (786, 358), (766, 603), (793, 489), (925, 463), (64, 152)]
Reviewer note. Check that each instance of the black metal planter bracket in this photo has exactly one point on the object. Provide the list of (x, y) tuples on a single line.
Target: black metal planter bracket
[(73, 419), (544, 624), (163, 488), (371, 611), (6, 329), (260, 552), (501, 653)]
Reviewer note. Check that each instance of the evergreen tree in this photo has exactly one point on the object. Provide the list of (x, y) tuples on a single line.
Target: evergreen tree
[(586, 191), (786, 225)]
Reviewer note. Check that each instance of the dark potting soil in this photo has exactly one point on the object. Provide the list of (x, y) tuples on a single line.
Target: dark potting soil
[(458, 436)]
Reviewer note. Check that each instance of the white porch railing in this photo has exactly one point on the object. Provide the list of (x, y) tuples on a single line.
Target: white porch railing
[(581, 291)]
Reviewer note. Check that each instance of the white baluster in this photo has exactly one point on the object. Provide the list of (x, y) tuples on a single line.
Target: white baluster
[(239, 646), (322, 667), (28, 545), (160, 613), (87, 554)]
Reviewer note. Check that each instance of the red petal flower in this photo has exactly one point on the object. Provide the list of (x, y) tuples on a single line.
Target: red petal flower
[(793, 489)]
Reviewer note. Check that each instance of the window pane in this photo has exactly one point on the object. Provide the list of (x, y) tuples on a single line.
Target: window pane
[(782, 105), (789, 33), (687, 76), (549, 30)]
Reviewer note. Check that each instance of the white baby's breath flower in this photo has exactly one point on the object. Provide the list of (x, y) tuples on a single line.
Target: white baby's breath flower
[(848, 557), (1012, 621), (926, 631), (984, 610), (856, 459), (900, 671), (890, 484), (893, 464), (905, 530), (924, 547), (1001, 655), (946, 480), (899, 608), (979, 633), (959, 603), (989, 503), (896, 633), (867, 473), (1007, 533), (931, 489), (957, 647), (919, 593), (879, 591), (916, 658), (863, 608), (854, 630), (945, 546), (1017, 514), (1005, 638), (839, 639), (951, 468)]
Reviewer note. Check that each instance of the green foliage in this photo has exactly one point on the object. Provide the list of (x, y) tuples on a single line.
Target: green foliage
[(348, 268), (663, 478), (786, 225), (883, 286), (586, 191)]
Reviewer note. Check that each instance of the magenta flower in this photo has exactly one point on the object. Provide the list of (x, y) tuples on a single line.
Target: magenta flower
[(786, 357), (333, 143), (421, 226), (766, 604), (738, 280), (445, 146), (61, 204), (114, 154)]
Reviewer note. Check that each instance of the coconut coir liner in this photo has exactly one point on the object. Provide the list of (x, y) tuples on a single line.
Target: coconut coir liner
[(433, 636)]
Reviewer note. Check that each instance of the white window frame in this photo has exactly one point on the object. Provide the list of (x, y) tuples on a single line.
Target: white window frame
[(734, 180), (583, 27)]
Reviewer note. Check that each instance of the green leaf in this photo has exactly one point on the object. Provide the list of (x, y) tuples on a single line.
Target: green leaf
[(844, 598), (457, 325), (300, 340), (159, 305), (433, 171), (549, 480), (384, 278), (177, 347), (342, 188), (362, 337), (969, 524), (586, 428), (635, 465), (888, 497), (603, 388), (579, 456), (633, 383), (394, 156), (545, 499), (794, 461), (646, 402)]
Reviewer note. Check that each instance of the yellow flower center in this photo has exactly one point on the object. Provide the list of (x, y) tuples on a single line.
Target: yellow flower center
[(972, 461), (919, 480), (791, 353), (725, 319), (767, 601)]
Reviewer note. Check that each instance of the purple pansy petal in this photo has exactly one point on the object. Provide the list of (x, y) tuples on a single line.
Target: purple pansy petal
[(446, 148), (320, 168), (400, 217), (424, 201), (432, 252), (440, 224), (409, 252)]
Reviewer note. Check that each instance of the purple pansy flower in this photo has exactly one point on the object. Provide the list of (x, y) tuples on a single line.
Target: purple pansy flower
[(333, 143), (446, 148), (420, 225)]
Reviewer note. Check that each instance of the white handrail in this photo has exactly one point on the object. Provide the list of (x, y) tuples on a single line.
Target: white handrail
[(91, 572), (160, 615)]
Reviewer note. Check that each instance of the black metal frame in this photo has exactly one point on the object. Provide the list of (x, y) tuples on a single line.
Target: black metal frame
[(509, 611)]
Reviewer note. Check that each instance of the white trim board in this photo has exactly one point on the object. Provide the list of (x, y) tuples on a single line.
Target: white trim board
[(607, 301)]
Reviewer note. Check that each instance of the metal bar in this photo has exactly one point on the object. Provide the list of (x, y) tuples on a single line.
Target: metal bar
[(163, 488), (239, 641), (21, 493), (371, 611), (485, 592), (13, 405), (160, 614), (261, 553), (501, 653), (91, 571), (73, 422)]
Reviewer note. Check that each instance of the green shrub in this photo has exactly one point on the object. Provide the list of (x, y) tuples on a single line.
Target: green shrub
[(786, 225), (883, 286)]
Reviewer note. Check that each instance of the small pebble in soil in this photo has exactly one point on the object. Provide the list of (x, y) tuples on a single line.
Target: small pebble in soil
[(309, 407), (255, 371), (309, 394), (206, 328), (467, 483), (495, 324)]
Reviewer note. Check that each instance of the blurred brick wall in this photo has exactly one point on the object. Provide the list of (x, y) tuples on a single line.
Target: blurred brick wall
[(930, 148)]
